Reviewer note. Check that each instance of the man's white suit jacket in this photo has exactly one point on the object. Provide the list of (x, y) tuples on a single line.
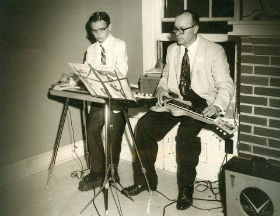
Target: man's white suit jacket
[(210, 75)]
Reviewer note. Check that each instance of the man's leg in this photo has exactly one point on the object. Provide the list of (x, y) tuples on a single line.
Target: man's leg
[(95, 123), (118, 122), (188, 148), (151, 128)]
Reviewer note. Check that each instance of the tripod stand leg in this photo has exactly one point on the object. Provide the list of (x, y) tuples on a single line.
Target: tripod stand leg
[(57, 141), (105, 193), (84, 116), (104, 189), (109, 170), (101, 189), (118, 205), (106, 150), (136, 150)]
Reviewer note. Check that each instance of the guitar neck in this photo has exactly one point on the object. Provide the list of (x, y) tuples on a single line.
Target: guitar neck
[(190, 112), (224, 127)]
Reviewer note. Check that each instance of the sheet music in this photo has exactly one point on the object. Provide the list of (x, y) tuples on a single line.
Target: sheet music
[(99, 81)]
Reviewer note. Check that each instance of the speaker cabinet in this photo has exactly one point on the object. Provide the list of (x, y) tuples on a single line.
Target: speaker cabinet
[(252, 187)]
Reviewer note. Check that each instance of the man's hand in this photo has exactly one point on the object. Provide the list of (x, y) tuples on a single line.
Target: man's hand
[(211, 110), (160, 94)]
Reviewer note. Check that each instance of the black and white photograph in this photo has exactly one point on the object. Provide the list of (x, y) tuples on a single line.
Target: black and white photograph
[(140, 107)]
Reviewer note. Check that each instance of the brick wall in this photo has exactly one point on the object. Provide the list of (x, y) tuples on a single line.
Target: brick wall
[(260, 97)]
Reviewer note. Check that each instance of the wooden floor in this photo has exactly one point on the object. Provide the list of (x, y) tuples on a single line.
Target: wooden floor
[(30, 197)]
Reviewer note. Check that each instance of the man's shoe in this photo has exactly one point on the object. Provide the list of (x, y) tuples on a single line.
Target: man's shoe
[(185, 198), (137, 189), (90, 181)]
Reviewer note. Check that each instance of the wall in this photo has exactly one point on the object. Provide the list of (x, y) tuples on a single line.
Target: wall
[(131, 32), (37, 39), (260, 97)]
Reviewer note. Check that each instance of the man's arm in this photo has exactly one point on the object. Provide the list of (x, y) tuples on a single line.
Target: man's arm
[(223, 82), (162, 88)]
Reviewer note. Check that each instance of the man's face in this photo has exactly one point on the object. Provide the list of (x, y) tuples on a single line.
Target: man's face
[(100, 30), (188, 36)]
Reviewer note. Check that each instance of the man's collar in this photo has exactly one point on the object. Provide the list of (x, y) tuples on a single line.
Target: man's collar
[(104, 44), (192, 46)]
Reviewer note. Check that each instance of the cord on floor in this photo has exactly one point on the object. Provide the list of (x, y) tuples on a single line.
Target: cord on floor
[(201, 186)]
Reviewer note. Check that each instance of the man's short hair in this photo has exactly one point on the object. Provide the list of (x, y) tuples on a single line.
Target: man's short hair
[(194, 15), (98, 16)]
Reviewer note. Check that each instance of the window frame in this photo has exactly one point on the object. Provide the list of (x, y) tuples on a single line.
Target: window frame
[(152, 18)]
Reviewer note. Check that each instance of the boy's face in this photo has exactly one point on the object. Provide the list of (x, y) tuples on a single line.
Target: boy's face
[(100, 30)]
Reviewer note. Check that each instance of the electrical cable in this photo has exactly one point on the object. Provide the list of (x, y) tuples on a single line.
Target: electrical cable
[(94, 203), (210, 209), (165, 196), (164, 208), (225, 159), (207, 185), (73, 140)]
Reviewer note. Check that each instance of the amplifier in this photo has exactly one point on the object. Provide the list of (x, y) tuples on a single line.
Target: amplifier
[(252, 187), (148, 85)]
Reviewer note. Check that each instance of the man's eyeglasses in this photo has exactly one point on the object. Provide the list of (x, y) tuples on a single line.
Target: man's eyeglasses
[(181, 30), (100, 30)]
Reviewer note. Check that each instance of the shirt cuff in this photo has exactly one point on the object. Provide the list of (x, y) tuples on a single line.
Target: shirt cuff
[(221, 112)]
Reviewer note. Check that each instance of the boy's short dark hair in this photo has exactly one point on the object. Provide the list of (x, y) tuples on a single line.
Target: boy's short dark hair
[(98, 16)]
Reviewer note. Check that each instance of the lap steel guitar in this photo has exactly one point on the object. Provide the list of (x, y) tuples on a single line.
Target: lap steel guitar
[(178, 107)]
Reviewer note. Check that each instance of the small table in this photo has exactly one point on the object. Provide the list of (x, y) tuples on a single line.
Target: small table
[(85, 97)]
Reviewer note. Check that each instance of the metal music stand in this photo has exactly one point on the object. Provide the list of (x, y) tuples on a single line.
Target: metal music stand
[(109, 171)]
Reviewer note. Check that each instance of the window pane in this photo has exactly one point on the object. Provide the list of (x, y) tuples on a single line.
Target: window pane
[(167, 27), (165, 44), (223, 8), (199, 6), (173, 7), (219, 27)]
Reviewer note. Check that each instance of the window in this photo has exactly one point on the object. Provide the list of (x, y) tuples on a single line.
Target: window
[(214, 14), (158, 18), (214, 17)]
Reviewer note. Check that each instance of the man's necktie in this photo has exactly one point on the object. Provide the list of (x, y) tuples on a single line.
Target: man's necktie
[(185, 78), (103, 55)]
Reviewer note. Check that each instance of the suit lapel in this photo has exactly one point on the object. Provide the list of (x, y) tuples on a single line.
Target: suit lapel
[(178, 63), (199, 56)]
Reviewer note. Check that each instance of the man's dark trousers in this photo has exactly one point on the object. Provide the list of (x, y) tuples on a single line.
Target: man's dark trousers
[(150, 129), (95, 123)]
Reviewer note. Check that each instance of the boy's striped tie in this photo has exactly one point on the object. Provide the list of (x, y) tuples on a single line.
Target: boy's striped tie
[(103, 55)]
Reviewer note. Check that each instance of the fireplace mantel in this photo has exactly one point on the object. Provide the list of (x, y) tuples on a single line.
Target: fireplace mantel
[(255, 28)]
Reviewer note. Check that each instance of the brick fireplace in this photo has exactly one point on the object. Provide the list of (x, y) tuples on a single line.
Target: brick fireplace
[(259, 88)]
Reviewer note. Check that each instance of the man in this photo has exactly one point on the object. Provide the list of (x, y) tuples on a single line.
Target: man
[(106, 51), (196, 71)]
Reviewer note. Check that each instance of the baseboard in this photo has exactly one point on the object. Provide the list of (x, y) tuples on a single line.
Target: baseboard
[(32, 165)]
